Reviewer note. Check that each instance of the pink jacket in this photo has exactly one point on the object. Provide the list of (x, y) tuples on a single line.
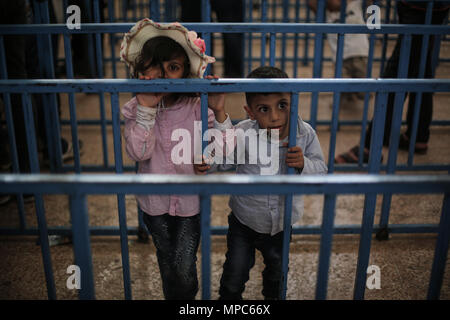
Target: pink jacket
[(152, 149)]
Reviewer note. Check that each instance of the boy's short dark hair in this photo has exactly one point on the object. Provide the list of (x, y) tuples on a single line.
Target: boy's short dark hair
[(265, 72)]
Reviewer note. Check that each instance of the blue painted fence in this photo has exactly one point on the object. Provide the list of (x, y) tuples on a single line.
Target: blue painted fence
[(77, 187), (271, 29), (8, 183), (272, 11)]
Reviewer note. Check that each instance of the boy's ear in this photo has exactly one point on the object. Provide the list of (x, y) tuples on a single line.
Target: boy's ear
[(249, 112)]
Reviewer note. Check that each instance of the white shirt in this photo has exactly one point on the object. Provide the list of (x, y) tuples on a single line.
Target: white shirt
[(355, 45)]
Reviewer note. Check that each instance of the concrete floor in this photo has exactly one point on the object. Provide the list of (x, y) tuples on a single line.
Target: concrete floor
[(404, 260)]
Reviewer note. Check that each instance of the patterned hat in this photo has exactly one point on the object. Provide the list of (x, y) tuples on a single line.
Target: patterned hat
[(145, 29)]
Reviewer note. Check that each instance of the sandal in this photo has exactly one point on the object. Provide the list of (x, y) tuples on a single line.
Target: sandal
[(419, 148), (351, 156)]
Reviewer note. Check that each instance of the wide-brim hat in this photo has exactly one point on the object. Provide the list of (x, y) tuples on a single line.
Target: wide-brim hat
[(145, 29)]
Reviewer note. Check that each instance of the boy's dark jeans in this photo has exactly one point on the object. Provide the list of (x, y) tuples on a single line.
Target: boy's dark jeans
[(176, 240), (240, 258)]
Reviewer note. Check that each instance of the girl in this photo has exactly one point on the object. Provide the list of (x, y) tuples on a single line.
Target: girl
[(169, 51)]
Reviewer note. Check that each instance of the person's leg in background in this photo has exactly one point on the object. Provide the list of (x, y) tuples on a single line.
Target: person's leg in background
[(353, 67), (407, 15), (15, 12), (231, 11)]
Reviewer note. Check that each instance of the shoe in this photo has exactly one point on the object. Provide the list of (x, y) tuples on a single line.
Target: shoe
[(419, 148), (55, 240), (67, 149), (5, 199), (5, 163), (352, 156), (28, 198)]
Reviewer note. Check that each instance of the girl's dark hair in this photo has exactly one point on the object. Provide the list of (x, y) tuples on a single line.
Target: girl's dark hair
[(157, 50)]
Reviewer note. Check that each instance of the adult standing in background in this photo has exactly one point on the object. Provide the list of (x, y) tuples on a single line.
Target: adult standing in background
[(226, 11)]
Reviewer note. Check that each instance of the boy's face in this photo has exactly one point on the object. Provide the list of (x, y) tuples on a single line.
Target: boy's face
[(271, 111)]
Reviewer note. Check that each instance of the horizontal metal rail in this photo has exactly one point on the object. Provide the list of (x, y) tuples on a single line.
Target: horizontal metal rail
[(224, 85), (235, 27), (79, 186), (222, 184)]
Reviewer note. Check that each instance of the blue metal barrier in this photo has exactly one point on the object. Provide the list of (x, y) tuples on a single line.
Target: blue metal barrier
[(239, 85), (381, 87), (115, 87), (266, 28), (79, 186), (269, 11)]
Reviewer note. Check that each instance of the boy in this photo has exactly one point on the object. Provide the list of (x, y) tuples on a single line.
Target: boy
[(256, 221)]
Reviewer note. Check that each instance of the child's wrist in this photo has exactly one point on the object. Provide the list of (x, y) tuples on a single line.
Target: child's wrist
[(143, 103), (220, 115)]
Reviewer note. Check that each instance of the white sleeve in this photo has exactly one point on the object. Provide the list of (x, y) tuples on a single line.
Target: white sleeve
[(224, 125), (145, 116)]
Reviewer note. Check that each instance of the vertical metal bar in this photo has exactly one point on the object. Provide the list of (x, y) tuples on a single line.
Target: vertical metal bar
[(306, 46), (206, 17), (283, 36), (205, 210), (325, 246), (134, 8), (112, 38), (366, 101), (370, 199), (250, 38), (204, 116), (274, 11), (52, 114), (72, 108), (336, 99), (169, 8), (90, 37), (263, 35), (418, 102), (297, 17), (317, 68), (154, 10), (98, 53), (293, 119), (82, 245), (441, 251), (205, 205), (11, 132), (206, 11), (385, 37), (40, 211), (435, 55), (395, 127), (342, 11), (117, 138), (272, 49)]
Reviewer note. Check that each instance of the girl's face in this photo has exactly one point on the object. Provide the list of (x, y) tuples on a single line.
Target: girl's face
[(172, 69)]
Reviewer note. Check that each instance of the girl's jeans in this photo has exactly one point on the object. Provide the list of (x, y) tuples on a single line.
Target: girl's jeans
[(240, 258), (176, 240)]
